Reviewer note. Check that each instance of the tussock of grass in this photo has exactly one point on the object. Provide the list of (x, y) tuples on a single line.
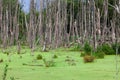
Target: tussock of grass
[(39, 57), (1, 60), (88, 59)]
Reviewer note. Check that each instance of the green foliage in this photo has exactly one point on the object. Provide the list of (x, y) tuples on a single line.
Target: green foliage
[(107, 49), (82, 54), (87, 48), (48, 63), (55, 56), (88, 59), (99, 55), (5, 72), (1, 60), (39, 57), (114, 46)]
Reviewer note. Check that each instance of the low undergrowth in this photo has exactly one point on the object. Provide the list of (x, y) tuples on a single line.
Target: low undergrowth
[(49, 63)]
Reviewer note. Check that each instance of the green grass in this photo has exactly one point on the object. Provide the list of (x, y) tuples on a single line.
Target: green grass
[(101, 69)]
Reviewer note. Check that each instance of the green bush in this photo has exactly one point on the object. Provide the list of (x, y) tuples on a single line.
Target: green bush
[(82, 54), (55, 56), (88, 58), (87, 48), (99, 55), (107, 49), (1, 60), (39, 57)]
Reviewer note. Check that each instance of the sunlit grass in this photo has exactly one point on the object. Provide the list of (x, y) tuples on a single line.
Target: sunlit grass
[(100, 69)]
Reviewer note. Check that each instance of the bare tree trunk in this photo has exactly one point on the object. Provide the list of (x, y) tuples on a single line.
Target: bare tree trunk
[(16, 23), (98, 30), (5, 30), (32, 28), (1, 32), (82, 22), (85, 30), (105, 20), (113, 31)]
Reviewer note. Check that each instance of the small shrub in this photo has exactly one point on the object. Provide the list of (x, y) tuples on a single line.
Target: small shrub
[(55, 56), (107, 49), (99, 55), (39, 57), (1, 60), (49, 63), (87, 48), (82, 54), (88, 58)]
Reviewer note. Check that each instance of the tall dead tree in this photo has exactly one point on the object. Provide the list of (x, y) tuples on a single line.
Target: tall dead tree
[(5, 29), (0, 21), (105, 5), (40, 31), (98, 26), (32, 26)]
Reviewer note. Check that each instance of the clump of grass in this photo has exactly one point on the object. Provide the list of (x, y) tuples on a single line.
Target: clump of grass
[(70, 61), (82, 54), (107, 49), (5, 72), (39, 57), (99, 55), (54, 56), (1, 60), (6, 52), (48, 63), (88, 58)]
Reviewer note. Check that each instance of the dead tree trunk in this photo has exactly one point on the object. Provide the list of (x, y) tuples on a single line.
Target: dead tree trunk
[(1, 32), (98, 30), (105, 5), (5, 29)]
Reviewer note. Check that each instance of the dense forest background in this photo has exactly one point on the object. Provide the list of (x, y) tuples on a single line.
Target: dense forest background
[(59, 23)]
